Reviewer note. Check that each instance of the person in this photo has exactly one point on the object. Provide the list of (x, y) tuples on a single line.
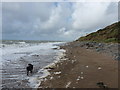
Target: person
[(29, 69)]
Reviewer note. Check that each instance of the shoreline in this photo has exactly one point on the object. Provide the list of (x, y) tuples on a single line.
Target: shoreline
[(83, 68), (36, 80)]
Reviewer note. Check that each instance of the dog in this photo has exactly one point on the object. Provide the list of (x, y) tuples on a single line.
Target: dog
[(29, 68)]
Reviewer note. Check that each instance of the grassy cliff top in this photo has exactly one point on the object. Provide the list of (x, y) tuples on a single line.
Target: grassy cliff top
[(106, 35)]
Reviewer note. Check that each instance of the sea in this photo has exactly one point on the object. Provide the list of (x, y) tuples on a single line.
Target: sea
[(17, 54)]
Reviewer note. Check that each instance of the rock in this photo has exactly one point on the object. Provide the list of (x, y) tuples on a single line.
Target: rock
[(57, 73), (49, 68), (82, 77), (98, 49), (51, 78), (99, 68), (56, 48), (68, 84), (117, 58), (81, 72), (35, 55), (101, 85), (109, 48), (3, 45), (78, 79)]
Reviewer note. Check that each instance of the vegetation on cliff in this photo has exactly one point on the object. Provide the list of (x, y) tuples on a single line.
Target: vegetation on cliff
[(107, 35)]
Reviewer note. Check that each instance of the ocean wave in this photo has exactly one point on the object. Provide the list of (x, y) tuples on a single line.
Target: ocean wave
[(16, 58)]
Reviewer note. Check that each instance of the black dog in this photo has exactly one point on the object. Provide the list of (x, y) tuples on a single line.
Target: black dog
[(29, 68)]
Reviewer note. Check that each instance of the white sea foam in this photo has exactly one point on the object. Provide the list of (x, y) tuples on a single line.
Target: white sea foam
[(60, 55), (16, 49), (21, 42), (36, 80)]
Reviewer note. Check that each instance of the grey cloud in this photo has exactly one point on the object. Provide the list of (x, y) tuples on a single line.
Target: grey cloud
[(55, 21)]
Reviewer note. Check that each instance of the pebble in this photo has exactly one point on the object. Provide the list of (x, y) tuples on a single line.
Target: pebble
[(99, 68), (51, 78), (45, 79), (86, 66), (78, 78), (82, 77), (68, 84), (57, 73), (81, 72), (73, 61)]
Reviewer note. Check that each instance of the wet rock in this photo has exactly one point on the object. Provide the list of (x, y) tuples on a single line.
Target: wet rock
[(49, 68), (98, 49), (101, 85), (56, 48), (117, 58), (36, 55)]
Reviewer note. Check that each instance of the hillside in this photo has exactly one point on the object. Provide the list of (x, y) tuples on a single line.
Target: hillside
[(107, 35)]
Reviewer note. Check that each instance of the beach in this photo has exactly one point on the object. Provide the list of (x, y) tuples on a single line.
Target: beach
[(59, 64), (82, 68), (61, 44)]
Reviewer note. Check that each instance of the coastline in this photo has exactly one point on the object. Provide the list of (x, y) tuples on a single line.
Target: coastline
[(36, 80), (82, 68)]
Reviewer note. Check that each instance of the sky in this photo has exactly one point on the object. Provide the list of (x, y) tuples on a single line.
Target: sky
[(56, 21)]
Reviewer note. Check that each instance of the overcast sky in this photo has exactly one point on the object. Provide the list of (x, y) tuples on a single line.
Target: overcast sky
[(55, 20)]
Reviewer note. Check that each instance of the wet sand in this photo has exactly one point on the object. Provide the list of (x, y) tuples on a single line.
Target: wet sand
[(83, 68)]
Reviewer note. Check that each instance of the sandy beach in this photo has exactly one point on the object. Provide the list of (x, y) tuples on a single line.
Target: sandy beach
[(83, 68)]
